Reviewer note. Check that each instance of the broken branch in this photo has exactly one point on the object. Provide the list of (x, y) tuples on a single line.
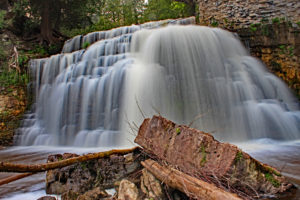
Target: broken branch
[(14, 178), (11, 167)]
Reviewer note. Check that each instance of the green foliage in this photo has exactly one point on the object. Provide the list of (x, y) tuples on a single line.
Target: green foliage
[(13, 78), (291, 51), (276, 20), (269, 177), (83, 165), (214, 23), (238, 156), (203, 160), (165, 9), (23, 60), (253, 28), (178, 131), (110, 14), (286, 50), (264, 20), (298, 23), (265, 30), (53, 49), (3, 55), (282, 48), (86, 45), (2, 20)]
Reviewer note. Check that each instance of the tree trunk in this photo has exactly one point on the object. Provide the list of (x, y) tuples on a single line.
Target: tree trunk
[(46, 24), (198, 154), (10, 167), (192, 187)]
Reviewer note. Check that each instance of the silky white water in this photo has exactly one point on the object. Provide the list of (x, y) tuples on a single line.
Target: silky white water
[(78, 94), (189, 74), (205, 77)]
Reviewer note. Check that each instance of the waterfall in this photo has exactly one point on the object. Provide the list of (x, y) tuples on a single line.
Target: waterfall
[(204, 77), (190, 74), (78, 93)]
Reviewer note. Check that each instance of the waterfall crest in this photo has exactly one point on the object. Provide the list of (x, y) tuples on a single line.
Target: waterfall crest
[(88, 97)]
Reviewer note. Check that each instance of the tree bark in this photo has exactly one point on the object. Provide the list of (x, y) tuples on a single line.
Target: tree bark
[(46, 24), (14, 178), (192, 187), (10, 167), (198, 154)]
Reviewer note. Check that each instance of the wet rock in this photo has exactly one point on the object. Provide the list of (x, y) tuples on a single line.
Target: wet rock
[(93, 194), (47, 198), (85, 176), (127, 191)]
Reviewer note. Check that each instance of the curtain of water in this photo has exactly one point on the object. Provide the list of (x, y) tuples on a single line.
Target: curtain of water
[(78, 92), (204, 76), (189, 74)]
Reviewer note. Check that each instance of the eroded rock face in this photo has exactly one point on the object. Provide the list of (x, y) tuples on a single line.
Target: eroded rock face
[(198, 154), (278, 46), (243, 13), (82, 177)]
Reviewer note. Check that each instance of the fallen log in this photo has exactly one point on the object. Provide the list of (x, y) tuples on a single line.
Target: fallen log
[(192, 187), (11, 167), (198, 154), (14, 178)]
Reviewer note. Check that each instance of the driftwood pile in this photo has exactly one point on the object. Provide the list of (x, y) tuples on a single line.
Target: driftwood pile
[(175, 162)]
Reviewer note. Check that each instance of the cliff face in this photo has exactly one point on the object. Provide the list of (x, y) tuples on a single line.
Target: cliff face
[(245, 12), (269, 28), (278, 46)]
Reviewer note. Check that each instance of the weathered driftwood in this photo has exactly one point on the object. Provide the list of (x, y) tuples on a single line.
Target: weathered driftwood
[(11, 167), (198, 154), (191, 186), (14, 178)]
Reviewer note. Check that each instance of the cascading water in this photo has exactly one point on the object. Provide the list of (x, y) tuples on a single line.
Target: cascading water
[(78, 93), (187, 73), (205, 77), (190, 74)]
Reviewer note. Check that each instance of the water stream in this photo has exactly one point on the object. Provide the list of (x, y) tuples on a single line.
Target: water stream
[(190, 74)]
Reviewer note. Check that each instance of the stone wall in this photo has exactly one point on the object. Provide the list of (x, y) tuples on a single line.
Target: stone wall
[(241, 13)]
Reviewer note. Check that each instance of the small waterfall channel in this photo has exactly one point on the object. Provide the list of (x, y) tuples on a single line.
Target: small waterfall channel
[(189, 74)]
